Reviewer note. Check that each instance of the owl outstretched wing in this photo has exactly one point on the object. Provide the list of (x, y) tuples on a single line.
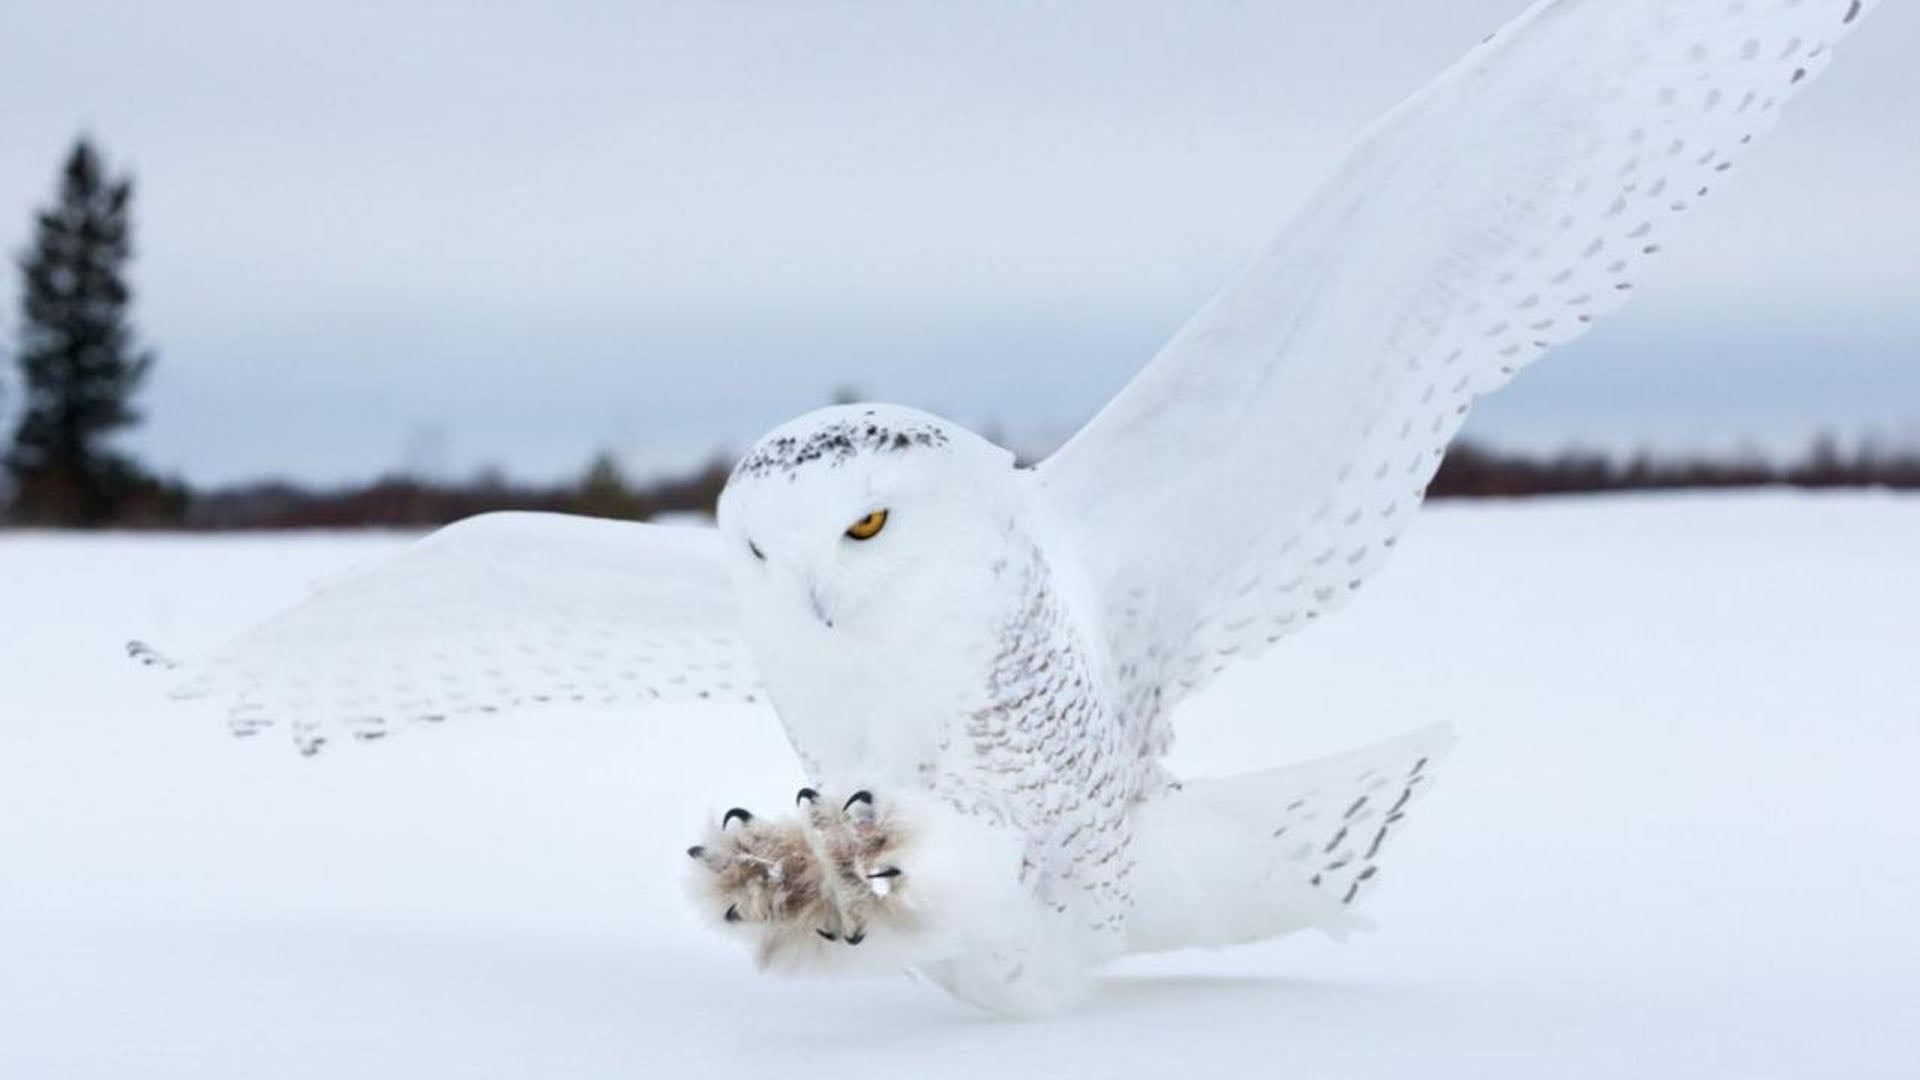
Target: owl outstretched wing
[(1267, 460), (496, 611)]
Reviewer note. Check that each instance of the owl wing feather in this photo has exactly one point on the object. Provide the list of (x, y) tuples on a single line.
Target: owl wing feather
[(1266, 461), (496, 611)]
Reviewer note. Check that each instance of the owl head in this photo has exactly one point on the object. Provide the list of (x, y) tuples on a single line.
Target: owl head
[(849, 513)]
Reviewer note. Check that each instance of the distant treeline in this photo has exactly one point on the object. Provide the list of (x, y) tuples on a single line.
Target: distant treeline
[(1468, 471), (603, 491), (1471, 471)]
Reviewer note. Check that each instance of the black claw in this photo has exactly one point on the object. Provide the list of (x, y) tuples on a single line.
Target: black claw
[(828, 934), (736, 812), (733, 913), (856, 937), (806, 795), (696, 851), (891, 871), (858, 797)]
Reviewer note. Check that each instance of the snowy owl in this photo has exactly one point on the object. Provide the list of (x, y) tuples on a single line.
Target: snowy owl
[(978, 663)]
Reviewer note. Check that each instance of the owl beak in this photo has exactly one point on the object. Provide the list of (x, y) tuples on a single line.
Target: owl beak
[(819, 607)]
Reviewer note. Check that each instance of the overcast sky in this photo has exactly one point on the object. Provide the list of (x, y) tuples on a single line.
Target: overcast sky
[(451, 235)]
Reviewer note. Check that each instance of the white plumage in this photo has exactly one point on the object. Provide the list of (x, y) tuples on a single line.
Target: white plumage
[(494, 612), (983, 684)]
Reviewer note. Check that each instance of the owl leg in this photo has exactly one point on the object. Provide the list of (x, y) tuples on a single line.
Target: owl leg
[(804, 889)]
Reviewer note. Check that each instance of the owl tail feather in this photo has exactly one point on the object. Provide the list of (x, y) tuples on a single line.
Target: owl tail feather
[(1234, 859)]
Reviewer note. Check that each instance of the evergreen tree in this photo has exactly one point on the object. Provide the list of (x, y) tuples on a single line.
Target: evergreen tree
[(79, 367), (604, 492)]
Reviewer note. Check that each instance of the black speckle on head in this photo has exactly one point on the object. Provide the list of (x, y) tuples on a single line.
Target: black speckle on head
[(835, 444)]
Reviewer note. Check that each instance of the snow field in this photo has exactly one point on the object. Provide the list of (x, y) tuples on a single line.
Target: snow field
[(1678, 837)]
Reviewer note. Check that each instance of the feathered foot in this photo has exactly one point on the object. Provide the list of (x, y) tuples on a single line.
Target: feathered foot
[(805, 885)]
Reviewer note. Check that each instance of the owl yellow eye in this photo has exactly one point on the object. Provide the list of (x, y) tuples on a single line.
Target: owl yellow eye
[(868, 527)]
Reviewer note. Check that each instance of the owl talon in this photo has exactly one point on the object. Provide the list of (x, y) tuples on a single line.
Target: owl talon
[(812, 875)]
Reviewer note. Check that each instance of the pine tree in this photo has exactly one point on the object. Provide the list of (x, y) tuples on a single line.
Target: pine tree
[(79, 367)]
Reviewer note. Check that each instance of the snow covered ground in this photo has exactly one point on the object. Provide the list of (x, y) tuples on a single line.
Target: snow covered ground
[(1679, 837)]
